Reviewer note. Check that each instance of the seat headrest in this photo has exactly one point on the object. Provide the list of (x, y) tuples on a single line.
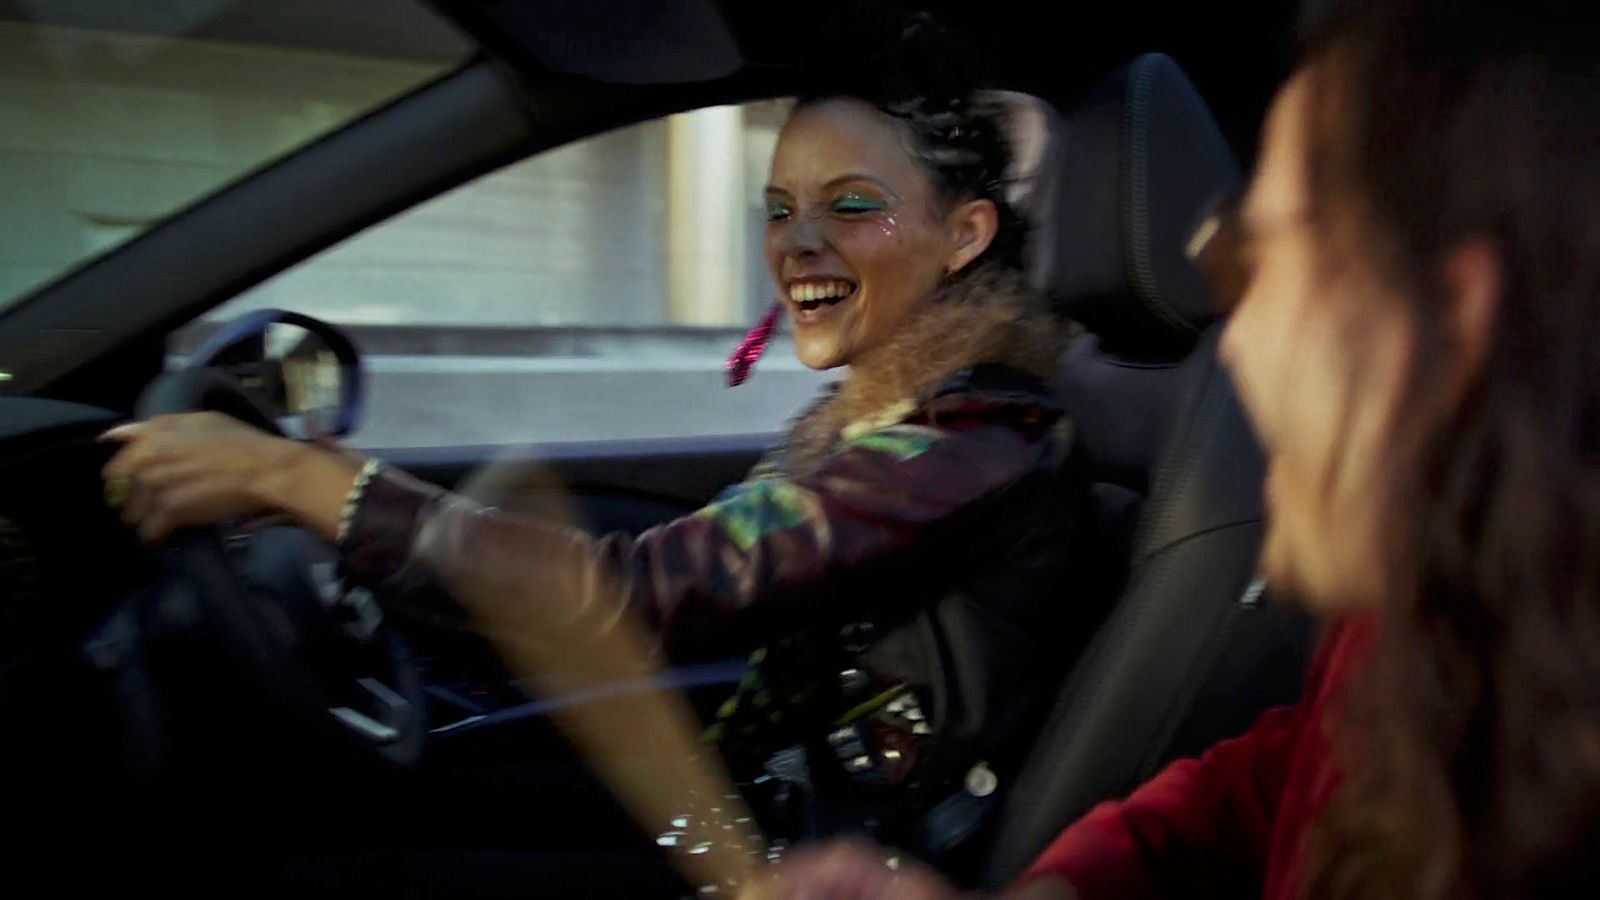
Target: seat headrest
[(1131, 171)]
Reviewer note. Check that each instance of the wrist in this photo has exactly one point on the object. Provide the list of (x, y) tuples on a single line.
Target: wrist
[(309, 484)]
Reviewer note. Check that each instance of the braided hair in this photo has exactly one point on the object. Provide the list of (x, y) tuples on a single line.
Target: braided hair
[(928, 81)]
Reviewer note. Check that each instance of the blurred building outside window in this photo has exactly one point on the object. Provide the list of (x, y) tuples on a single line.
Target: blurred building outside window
[(590, 292)]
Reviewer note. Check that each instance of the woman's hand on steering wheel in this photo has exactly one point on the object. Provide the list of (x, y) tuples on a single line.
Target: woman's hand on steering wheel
[(195, 469)]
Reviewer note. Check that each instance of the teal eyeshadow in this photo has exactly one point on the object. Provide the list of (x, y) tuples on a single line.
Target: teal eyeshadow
[(857, 203)]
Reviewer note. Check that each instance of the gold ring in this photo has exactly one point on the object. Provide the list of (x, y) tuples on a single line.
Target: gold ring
[(119, 490)]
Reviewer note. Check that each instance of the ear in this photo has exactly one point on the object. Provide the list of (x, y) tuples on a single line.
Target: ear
[(972, 225), (1473, 277)]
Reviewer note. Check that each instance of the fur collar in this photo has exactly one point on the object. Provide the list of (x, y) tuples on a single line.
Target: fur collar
[(990, 316)]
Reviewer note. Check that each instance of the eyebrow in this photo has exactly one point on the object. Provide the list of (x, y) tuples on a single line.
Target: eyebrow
[(845, 179), (862, 176)]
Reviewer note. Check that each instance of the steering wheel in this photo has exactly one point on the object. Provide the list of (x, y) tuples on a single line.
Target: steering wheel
[(322, 664)]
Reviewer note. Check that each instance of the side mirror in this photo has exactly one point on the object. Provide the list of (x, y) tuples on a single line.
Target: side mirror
[(303, 372)]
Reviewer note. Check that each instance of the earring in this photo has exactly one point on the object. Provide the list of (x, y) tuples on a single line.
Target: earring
[(743, 360)]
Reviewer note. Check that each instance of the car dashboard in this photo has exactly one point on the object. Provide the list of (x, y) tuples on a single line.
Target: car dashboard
[(65, 557)]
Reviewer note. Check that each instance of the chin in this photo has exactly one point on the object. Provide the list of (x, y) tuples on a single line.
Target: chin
[(1315, 583), (820, 359), (1286, 576)]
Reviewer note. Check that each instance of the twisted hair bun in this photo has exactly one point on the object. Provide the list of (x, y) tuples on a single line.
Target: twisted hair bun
[(922, 73)]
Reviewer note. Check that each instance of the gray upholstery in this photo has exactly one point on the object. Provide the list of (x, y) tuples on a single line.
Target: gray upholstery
[(1188, 653)]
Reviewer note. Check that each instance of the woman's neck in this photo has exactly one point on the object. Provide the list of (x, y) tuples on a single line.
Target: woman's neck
[(990, 317), (987, 317)]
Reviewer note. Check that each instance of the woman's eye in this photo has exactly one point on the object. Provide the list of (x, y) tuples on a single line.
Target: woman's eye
[(777, 212), (857, 203)]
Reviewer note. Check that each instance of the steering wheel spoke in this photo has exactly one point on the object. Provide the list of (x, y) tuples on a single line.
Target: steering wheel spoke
[(313, 656)]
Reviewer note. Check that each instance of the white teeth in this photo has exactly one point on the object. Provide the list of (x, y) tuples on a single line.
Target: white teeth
[(814, 291)]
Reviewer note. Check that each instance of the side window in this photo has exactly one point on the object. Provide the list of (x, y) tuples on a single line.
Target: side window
[(115, 116), (590, 292)]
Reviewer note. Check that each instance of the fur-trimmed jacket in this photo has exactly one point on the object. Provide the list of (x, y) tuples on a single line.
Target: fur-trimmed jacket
[(899, 566)]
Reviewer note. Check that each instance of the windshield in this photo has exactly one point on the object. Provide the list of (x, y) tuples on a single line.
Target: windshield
[(115, 115)]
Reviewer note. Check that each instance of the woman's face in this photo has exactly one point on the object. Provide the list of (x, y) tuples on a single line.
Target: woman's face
[(1318, 348), (857, 240)]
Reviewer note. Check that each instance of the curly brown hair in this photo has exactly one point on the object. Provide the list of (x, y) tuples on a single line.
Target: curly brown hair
[(1472, 742)]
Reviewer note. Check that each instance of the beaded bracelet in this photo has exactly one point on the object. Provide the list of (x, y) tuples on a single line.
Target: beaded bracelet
[(352, 500)]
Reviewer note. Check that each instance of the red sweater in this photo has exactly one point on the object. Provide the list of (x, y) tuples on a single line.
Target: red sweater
[(1231, 823)]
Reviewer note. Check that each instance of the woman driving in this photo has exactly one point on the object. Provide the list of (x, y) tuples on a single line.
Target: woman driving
[(896, 564)]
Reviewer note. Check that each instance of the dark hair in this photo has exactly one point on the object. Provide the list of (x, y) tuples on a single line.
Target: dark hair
[(1472, 743), (923, 75)]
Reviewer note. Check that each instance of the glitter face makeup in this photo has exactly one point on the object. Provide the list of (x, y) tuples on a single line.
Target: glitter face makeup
[(854, 241)]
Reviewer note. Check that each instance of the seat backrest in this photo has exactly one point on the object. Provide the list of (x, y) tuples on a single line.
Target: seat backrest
[(1188, 653)]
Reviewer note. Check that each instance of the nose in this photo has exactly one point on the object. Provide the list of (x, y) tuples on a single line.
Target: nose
[(802, 237), (1231, 343), (1225, 351)]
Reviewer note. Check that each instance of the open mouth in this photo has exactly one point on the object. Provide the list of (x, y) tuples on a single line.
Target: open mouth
[(811, 296)]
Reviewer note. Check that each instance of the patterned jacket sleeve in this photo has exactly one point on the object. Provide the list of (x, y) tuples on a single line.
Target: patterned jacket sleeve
[(768, 554)]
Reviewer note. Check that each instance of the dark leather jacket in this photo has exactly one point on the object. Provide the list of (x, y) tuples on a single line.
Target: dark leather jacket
[(905, 589)]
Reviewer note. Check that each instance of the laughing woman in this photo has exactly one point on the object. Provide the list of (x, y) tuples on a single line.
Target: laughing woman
[(895, 565)]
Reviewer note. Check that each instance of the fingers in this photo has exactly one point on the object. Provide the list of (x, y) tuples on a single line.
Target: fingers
[(142, 445), (179, 423), (154, 528), (130, 487), (161, 501), (164, 492), (174, 510), (150, 447), (837, 871), (140, 503), (182, 471), (853, 870), (123, 433), (133, 456), (129, 432)]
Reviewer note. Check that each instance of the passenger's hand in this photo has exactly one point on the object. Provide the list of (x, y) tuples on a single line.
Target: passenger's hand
[(196, 469), (851, 870)]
